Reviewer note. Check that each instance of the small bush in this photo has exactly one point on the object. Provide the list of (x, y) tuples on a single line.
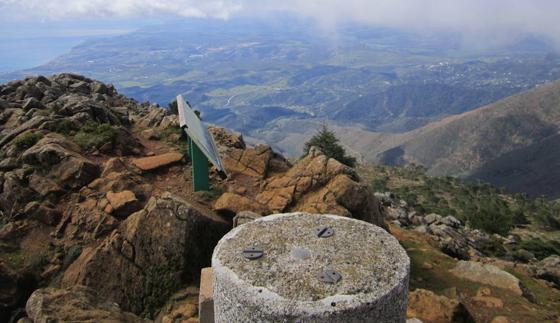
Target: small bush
[(540, 248), (63, 126), (94, 135), (27, 140), (214, 192), (491, 221), (492, 247), (380, 184), (547, 219)]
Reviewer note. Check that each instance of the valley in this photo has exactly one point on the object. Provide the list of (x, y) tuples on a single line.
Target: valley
[(277, 82)]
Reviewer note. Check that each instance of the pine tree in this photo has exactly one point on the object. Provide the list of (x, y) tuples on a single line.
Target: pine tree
[(327, 142)]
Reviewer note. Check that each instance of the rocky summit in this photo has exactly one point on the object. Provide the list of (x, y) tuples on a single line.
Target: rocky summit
[(99, 222)]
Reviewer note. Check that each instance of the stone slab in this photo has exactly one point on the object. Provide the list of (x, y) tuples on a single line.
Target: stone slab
[(154, 162)]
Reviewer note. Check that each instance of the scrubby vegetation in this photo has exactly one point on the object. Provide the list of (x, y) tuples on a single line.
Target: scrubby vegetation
[(540, 248), (94, 135), (480, 205), (327, 142), (63, 126), (27, 140)]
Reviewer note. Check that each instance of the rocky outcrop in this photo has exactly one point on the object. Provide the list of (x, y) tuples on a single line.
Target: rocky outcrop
[(320, 184), (239, 160), (75, 304), (149, 255), (121, 203), (264, 183), (61, 161), (549, 269)]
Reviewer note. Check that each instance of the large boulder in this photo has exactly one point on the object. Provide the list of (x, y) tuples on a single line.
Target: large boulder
[(75, 304), (241, 161), (232, 203), (549, 269), (456, 242), (250, 162), (14, 193), (150, 255), (226, 139), (62, 161), (153, 118), (489, 275)]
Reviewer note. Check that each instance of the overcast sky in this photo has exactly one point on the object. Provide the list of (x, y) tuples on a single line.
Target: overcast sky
[(487, 19)]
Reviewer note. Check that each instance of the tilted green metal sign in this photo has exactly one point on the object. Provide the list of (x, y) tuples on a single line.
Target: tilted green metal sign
[(202, 148)]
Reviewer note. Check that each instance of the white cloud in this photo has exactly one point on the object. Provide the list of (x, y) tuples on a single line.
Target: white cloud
[(59, 9), (486, 19)]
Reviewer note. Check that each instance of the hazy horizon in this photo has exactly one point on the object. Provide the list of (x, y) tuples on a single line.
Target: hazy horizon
[(33, 32)]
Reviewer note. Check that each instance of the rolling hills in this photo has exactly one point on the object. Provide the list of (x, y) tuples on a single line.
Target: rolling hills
[(511, 143)]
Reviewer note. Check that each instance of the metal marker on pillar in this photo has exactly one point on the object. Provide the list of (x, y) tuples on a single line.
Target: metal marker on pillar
[(202, 148)]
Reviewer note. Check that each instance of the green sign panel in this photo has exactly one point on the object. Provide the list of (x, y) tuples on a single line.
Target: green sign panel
[(202, 148)]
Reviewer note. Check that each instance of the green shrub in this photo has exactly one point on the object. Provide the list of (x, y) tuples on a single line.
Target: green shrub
[(63, 126), (94, 135), (491, 221), (380, 184), (492, 247), (27, 140), (540, 248), (547, 218), (327, 142)]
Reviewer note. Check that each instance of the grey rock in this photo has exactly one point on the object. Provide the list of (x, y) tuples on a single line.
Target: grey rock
[(489, 275), (432, 218), (451, 221), (32, 103), (80, 87), (245, 217), (100, 88), (62, 160), (42, 213), (511, 239), (154, 250), (29, 91), (453, 242), (14, 193), (8, 163), (281, 288), (33, 123), (77, 303), (549, 269)]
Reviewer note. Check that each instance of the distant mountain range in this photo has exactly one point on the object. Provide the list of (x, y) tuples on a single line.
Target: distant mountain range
[(513, 143)]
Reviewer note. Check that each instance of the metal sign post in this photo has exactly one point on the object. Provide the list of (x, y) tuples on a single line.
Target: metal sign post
[(202, 148), (200, 169)]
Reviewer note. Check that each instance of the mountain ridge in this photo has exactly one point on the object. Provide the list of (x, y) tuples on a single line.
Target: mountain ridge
[(462, 144)]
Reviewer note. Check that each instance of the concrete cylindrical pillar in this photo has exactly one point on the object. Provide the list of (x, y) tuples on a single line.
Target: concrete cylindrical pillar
[(301, 267)]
